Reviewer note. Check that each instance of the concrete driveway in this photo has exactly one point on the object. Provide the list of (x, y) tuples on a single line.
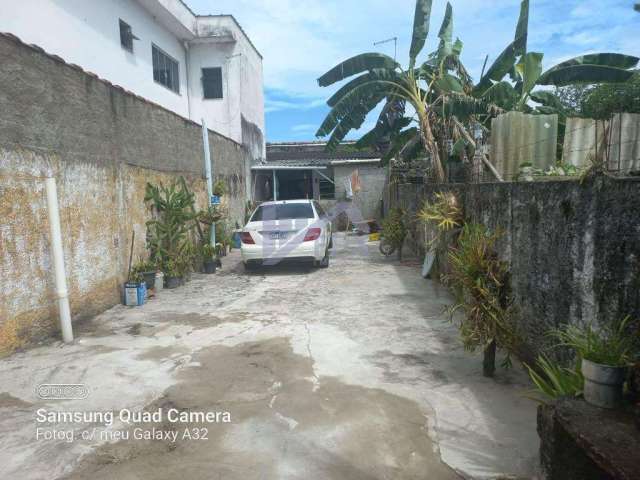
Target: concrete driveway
[(352, 372)]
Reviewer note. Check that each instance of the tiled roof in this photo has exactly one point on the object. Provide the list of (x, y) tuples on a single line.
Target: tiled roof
[(315, 153)]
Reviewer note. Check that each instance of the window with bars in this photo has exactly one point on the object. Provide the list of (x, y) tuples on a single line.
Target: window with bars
[(126, 36), (212, 82), (165, 69)]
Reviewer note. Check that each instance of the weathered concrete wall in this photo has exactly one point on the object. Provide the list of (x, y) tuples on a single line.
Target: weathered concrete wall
[(573, 248), (372, 179), (102, 145)]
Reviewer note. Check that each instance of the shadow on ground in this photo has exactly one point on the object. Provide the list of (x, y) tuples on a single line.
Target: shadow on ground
[(339, 432)]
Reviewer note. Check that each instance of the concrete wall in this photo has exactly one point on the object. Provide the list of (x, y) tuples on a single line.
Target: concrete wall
[(87, 33), (573, 248), (372, 179), (365, 204), (102, 145)]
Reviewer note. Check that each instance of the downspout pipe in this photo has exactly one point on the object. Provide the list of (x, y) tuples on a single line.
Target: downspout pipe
[(208, 173), (58, 260)]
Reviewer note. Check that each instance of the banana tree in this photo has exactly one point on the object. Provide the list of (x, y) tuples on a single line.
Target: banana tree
[(383, 79), (526, 73)]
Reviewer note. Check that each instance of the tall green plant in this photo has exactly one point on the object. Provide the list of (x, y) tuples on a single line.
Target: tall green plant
[(394, 230), (525, 71), (480, 281), (383, 80), (168, 233)]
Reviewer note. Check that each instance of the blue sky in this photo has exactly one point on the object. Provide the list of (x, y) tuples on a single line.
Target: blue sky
[(301, 39)]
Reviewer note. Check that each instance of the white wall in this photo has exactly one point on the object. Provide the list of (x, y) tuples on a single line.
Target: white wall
[(87, 33), (241, 76)]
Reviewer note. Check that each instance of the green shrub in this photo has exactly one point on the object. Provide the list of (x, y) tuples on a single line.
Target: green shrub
[(612, 345), (208, 252), (394, 229), (553, 381), (219, 188)]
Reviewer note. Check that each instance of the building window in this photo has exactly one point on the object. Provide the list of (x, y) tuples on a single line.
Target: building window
[(212, 82), (126, 36), (165, 70), (327, 187)]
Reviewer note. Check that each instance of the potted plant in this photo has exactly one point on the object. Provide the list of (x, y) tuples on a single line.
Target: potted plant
[(209, 258), (172, 274), (219, 188), (144, 271), (605, 356), (394, 232)]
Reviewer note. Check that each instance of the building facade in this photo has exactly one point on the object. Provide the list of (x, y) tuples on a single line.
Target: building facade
[(200, 67), (346, 180)]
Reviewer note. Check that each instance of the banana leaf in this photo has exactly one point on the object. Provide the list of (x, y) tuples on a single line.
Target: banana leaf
[(502, 94), (351, 112), (447, 83), (358, 94), (529, 68), (356, 82), (446, 35), (507, 59), (617, 60), (420, 29), (547, 99), (358, 64), (584, 74)]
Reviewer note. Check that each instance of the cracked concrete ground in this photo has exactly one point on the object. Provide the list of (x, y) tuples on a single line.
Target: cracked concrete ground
[(352, 372)]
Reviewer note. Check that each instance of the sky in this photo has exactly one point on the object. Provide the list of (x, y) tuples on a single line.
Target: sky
[(301, 39)]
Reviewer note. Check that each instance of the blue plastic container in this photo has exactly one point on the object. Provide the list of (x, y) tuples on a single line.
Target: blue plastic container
[(135, 294), (236, 240)]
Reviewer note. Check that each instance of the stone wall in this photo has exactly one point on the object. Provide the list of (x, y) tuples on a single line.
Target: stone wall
[(573, 248), (102, 144)]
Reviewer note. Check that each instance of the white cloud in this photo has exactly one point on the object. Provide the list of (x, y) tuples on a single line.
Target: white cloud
[(305, 127), (300, 40)]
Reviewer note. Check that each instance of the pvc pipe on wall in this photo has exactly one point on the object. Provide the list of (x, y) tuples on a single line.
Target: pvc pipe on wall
[(208, 172), (58, 260)]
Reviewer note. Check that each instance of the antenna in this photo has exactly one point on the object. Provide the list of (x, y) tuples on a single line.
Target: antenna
[(395, 45)]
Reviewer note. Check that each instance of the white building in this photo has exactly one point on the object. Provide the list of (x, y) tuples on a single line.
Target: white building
[(197, 66)]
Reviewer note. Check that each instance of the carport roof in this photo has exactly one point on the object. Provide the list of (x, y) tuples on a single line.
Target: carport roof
[(314, 155)]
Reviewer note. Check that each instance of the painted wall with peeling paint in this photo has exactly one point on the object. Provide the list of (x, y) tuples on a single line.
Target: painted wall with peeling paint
[(102, 145)]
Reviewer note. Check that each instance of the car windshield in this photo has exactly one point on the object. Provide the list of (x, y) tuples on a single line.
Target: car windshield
[(286, 211)]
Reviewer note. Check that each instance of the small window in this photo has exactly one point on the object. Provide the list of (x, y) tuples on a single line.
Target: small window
[(212, 82), (165, 69), (126, 36), (327, 187), (283, 211)]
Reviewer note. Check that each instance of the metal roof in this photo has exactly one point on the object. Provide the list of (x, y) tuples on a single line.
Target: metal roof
[(314, 154)]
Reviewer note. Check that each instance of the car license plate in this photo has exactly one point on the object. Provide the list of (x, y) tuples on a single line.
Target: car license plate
[(279, 235)]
